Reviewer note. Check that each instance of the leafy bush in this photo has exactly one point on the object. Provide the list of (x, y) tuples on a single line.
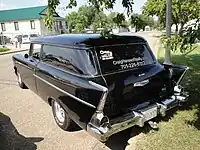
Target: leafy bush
[(184, 42)]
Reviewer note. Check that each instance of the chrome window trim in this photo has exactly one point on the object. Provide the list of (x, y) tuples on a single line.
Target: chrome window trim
[(59, 89), (17, 62)]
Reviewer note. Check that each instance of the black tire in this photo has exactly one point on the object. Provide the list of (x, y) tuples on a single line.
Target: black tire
[(20, 82), (67, 123)]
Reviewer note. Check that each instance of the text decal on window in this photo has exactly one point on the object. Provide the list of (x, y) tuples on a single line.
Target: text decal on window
[(106, 55), (130, 63)]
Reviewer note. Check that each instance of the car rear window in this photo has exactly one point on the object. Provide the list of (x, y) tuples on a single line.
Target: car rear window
[(25, 36), (33, 35), (123, 57)]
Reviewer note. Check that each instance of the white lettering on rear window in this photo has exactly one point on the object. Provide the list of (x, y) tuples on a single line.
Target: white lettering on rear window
[(106, 55)]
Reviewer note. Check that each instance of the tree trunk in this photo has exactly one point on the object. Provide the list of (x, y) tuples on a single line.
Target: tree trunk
[(136, 29), (168, 32)]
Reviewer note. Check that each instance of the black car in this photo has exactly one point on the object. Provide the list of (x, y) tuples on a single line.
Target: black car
[(103, 84)]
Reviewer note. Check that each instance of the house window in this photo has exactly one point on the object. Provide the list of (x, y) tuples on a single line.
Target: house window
[(16, 25), (3, 28), (32, 24), (57, 25), (60, 24)]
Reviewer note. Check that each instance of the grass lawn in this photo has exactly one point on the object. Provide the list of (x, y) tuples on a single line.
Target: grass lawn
[(180, 130), (4, 49)]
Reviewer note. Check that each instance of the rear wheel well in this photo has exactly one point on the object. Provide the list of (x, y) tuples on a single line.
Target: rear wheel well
[(50, 100)]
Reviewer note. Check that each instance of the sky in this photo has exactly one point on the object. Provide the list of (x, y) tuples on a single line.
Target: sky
[(13, 4)]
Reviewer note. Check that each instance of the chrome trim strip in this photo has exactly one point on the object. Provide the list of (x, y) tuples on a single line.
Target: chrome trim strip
[(180, 79), (141, 83), (74, 97), (104, 89), (24, 65), (103, 97)]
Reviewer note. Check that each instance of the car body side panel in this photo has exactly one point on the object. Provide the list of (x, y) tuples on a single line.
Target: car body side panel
[(26, 67), (59, 85)]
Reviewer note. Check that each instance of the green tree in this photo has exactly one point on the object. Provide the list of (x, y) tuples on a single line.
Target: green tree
[(81, 19), (100, 21), (182, 11), (117, 20), (89, 17), (72, 20), (98, 4), (111, 16), (140, 21)]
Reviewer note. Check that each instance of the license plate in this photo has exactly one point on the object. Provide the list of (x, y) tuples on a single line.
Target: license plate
[(150, 113)]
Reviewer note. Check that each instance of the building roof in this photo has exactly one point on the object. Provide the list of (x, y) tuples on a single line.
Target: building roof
[(21, 14), (88, 40)]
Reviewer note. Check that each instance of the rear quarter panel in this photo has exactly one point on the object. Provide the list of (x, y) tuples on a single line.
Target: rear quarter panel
[(67, 83)]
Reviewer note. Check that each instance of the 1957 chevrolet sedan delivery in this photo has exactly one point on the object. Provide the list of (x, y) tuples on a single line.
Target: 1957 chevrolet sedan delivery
[(103, 84)]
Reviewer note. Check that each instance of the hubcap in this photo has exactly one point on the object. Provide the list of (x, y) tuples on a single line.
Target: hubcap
[(59, 112)]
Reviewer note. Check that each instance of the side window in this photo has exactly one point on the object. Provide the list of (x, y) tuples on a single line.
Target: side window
[(63, 58), (73, 60), (35, 50)]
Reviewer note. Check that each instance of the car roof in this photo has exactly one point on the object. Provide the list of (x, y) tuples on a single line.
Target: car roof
[(88, 40)]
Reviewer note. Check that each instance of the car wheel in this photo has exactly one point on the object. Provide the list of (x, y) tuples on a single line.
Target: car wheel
[(20, 82), (61, 117)]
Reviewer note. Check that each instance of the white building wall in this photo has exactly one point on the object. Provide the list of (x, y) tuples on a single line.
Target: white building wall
[(24, 28), (46, 31)]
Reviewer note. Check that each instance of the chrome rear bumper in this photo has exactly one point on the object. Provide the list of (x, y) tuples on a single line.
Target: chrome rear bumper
[(136, 117)]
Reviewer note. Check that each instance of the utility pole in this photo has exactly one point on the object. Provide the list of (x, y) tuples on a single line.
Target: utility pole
[(168, 32)]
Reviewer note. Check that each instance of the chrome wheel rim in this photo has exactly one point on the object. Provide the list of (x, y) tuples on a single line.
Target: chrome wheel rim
[(59, 112)]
